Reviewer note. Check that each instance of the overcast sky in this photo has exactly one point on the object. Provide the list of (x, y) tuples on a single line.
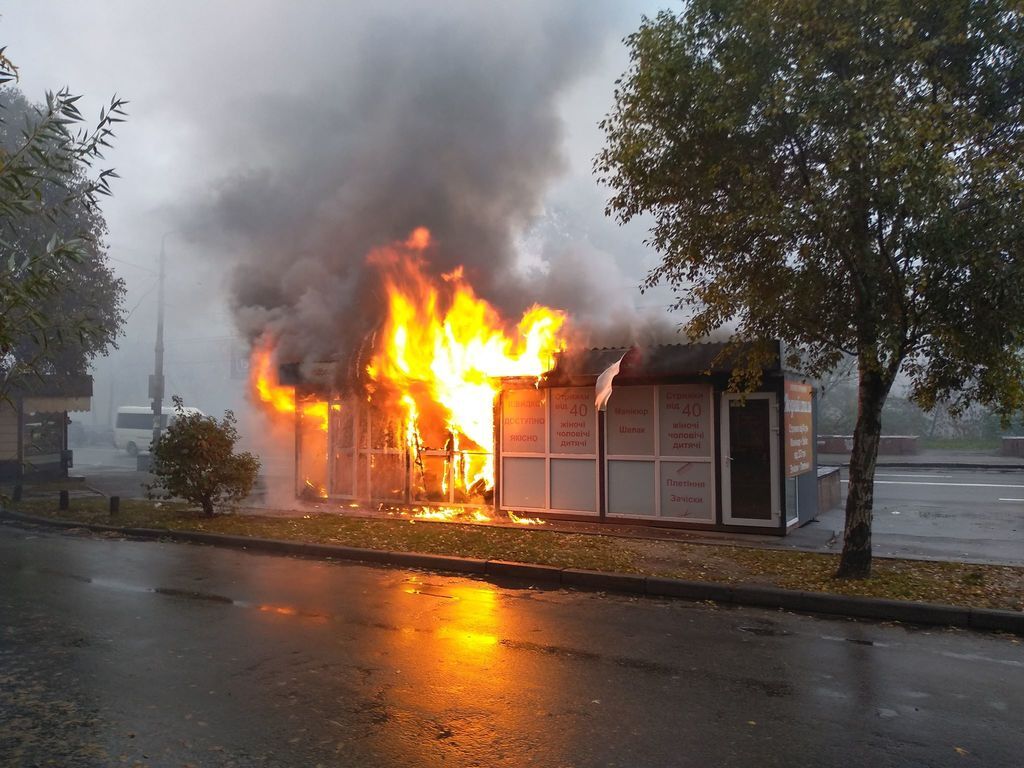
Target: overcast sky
[(224, 94)]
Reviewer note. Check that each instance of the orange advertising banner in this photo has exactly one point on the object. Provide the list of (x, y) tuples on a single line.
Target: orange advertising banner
[(798, 423)]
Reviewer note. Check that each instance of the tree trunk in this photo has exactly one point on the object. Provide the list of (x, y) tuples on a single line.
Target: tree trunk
[(207, 507), (871, 393)]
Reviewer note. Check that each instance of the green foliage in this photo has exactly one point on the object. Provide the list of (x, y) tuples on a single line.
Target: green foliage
[(56, 294), (846, 177), (195, 460)]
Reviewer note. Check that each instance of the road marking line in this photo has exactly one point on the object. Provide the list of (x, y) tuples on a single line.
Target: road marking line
[(948, 485), (892, 474), (979, 657)]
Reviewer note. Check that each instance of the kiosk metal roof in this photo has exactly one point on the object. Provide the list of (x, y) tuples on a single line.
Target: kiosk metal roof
[(662, 362)]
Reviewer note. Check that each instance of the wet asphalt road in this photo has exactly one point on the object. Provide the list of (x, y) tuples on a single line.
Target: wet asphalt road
[(115, 652)]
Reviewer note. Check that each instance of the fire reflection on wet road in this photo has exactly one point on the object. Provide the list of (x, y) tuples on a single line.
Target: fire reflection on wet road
[(114, 651)]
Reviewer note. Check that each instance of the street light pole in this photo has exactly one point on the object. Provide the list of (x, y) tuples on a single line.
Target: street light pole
[(156, 386)]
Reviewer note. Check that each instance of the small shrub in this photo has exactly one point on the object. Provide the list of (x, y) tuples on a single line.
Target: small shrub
[(195, 460)]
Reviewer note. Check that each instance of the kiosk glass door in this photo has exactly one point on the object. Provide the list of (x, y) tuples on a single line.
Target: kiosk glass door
[(750, 460)]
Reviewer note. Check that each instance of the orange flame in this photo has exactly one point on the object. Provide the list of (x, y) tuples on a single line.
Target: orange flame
[(459, 515), (444, 346), (280, 399), (435, 370), (280, 402)]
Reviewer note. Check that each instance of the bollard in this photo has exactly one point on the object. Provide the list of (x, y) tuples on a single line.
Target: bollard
[(115, 505), (64, 501), (16, 495)]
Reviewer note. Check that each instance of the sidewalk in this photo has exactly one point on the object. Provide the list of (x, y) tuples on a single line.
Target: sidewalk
[(905, 528)]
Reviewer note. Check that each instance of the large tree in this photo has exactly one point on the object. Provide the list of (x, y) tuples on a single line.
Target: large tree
[(60, 303), (846, 177)]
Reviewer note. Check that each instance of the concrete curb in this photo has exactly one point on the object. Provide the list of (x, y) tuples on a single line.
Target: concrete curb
[(531, 572), (932, 614), (603, 581)]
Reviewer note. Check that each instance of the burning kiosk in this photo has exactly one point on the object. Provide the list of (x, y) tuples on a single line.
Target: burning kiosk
[(373, 454), (674, 447), (408, 417)]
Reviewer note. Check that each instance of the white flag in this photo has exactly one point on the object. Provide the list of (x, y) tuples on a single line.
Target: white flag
[(604, 383)]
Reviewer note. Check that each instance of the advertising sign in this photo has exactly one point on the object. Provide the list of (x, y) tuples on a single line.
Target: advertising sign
[(522, 421), (630, 418), (799, 429), (685, 420), (573, 422), (686, 488)]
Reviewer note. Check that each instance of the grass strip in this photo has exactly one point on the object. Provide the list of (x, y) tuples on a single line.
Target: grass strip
[(962, 584)]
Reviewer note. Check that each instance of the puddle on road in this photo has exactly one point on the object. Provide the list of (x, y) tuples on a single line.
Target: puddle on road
[(765, 631), (193, 595), (412, 591), (855, 641), (123, 586), (412, 586)]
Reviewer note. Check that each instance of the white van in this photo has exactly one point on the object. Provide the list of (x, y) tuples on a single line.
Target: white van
[(133, 426)]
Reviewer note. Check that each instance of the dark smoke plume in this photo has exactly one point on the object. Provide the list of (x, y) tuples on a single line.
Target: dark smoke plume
[(441, 116)]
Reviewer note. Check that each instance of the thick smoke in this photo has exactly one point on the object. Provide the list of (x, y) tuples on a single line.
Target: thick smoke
[(440, 116)]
